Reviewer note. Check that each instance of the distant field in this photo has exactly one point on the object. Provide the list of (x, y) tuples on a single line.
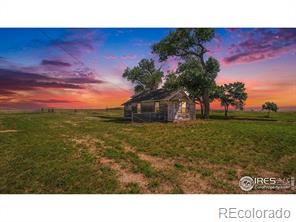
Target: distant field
[(98, 152)]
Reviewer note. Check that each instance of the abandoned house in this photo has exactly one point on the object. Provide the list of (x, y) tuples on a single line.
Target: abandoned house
[(160, 105)]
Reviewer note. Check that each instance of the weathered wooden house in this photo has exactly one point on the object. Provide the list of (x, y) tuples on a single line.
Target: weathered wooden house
[(160, 105)]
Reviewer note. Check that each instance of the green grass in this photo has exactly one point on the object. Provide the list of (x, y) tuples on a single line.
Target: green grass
[(63, 152)]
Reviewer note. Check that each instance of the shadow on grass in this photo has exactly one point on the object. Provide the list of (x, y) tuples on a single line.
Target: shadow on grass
[(264, 119), (119, 119), (112, 119)]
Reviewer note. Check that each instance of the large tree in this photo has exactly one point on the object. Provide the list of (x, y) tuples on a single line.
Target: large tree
[(145, 75), (172, 81), (192, 78), (232, 94), (189, 45)]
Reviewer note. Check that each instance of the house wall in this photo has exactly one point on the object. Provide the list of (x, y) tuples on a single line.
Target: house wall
[(175, 111), (127, 111), (147, 106), (169, 110), (163, 109), (147, 111)]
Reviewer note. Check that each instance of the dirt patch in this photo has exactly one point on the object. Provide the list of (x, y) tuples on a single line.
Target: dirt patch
[(8, 131), (71, 123), (92, 118), (125, 176), (129, 148), (90, 142), (127, 129), (159, 164), (162, 165), (156, 162), (192, 183)]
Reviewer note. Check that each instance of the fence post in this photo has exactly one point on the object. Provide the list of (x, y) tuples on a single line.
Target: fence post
[(132, 117)]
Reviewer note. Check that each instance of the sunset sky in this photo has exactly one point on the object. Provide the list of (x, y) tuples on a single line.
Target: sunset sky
[(82, 68)]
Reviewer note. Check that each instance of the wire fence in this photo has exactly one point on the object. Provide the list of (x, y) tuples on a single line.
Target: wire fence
[(148, 117)]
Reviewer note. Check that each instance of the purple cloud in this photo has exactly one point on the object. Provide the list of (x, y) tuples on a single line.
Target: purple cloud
[(55, 63), (85, 80), (124, 57), (4, 92), (51, 101), (262, 44), (77, 41), (15, 80)]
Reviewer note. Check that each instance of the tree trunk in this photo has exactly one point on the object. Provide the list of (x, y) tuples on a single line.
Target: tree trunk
[(201, 108), (205, 96), (206, 103), (226, 111)]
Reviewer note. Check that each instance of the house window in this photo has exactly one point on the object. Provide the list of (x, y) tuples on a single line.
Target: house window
[(183, 107), (156, 107), (138, 107)]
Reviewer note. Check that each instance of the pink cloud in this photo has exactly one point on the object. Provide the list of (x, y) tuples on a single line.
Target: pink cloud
[(124, 57), (261, 44), (253, 56), (274, 86), (110, 57), (217, 47), (12, 81), (76, 41), (129, 56)]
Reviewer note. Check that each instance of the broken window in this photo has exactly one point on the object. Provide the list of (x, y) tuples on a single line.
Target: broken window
[(138, 107), (183, 107), (156, 107)]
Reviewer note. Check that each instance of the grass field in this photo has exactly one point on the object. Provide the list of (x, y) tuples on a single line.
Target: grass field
[(98, 152)]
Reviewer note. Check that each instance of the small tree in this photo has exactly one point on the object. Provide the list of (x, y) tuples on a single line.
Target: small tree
[(232, 94), (270, 106), (145, 75)]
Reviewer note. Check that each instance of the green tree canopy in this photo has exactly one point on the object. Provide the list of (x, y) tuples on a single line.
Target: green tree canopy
[(232, 94), (184, 42), (189, 76), (270, 106), (172, 81), (192, 78), (189, 45), (145, 75)]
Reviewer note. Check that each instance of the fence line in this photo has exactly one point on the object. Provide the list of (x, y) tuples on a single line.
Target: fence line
[(147, 116)]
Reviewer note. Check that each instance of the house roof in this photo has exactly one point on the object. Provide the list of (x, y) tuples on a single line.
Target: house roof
[(158, 94)]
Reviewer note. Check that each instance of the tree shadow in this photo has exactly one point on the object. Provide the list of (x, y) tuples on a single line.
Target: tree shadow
[(263, 119), (122, 120)]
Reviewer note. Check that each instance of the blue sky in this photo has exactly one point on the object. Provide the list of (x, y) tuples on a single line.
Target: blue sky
[(83, 67)]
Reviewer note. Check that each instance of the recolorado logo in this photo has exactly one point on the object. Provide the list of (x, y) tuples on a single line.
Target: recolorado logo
[(232, 213)]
